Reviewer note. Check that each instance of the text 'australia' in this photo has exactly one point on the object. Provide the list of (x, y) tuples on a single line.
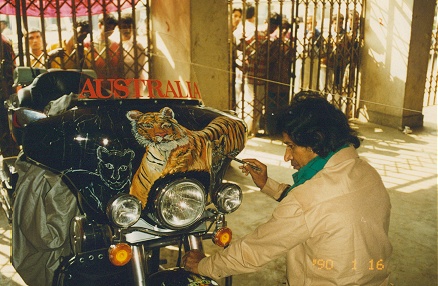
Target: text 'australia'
[(133, 88)]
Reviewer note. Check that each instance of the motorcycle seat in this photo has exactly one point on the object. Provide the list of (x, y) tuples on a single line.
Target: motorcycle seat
[(50, 86)]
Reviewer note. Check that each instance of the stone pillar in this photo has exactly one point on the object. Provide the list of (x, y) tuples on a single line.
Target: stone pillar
[(394, 61), (209, 28), (194, 33)]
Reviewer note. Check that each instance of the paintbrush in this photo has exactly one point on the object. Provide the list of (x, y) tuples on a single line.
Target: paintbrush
[(254, 167)]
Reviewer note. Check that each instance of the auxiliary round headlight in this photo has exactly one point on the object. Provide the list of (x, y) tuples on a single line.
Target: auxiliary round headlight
[(124, 210), (180, 203), (228, 198)]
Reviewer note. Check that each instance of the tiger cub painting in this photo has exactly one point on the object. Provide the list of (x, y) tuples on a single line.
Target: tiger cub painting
[(172, 148)]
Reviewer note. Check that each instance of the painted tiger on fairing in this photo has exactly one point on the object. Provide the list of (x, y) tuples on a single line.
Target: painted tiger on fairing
[(172, 148)]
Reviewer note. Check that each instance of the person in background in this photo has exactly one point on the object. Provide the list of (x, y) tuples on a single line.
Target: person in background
[(7, 60), (7, 66), (133, 54), (236, 18), (4, 28), (37, 56), (236, 86), (350, 77), (106, 55), (254, 66), (338, 56), (281, 55), (73, 51), (331, 223), (312, 45)]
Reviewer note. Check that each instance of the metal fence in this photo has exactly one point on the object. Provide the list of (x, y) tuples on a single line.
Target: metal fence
[(281, 47), (431, 89), (50, 34)]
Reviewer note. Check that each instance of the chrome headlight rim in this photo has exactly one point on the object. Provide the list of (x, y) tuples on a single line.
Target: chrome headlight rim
[(228, 198), (164, 191), (86, 235), (116, 206)]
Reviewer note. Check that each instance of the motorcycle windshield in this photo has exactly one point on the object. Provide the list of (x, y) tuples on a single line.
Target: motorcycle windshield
[(104, 144)]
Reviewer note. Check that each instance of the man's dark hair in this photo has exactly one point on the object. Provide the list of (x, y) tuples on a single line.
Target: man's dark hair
[(311, 121), (275, 19), (127, 20), (31, 31), (250, 12), (109, 19), (84, 26), (237, 10)]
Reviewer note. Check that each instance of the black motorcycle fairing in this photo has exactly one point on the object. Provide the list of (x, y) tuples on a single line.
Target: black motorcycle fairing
[(93, 142), (20, 118), (95, 189), (71, 139)]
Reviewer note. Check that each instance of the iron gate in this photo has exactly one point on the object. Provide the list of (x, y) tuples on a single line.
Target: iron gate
[(431, 89), (59, 24), (281, 47)]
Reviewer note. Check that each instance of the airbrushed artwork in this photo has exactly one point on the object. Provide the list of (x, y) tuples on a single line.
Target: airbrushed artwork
[(171, 148), (113, 176)]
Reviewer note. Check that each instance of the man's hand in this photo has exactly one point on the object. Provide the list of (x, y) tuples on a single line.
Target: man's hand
[(191, 260), (259, 177), (59, 52)]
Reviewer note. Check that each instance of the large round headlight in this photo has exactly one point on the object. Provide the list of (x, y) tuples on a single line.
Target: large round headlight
[(228, 198), (124, 210), (180, 203)]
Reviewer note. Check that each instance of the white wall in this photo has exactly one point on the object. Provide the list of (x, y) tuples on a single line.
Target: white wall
[(393, 69)]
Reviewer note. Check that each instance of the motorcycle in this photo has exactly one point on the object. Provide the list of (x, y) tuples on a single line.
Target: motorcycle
[(104, 183)]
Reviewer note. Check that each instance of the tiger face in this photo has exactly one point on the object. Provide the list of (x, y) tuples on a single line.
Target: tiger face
[(157, 129)]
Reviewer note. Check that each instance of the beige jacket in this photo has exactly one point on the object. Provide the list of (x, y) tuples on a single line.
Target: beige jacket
[(333, 229)]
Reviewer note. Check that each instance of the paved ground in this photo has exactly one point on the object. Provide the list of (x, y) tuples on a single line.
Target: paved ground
[(408, 166)]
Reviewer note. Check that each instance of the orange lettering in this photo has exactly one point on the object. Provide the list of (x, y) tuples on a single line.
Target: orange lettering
[(178, 85), (120, 89), (122, 85), (196, 93), (152, 87), (137, 86), (88, 89), (170, 89), (189, 88), (99, 88)]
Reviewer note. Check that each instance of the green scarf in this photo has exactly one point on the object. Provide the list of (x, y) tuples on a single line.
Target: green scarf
[(309, 170)]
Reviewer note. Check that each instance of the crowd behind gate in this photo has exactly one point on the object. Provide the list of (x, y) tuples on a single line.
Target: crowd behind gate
[(272, 61), (105, 55), (84, 45)]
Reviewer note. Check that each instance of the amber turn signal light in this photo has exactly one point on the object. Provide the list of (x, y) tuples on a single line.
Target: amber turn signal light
[(222, 236), (120, 254)]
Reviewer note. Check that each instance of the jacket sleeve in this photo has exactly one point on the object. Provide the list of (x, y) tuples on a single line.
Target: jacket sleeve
[(284, 230), (274, 189)]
